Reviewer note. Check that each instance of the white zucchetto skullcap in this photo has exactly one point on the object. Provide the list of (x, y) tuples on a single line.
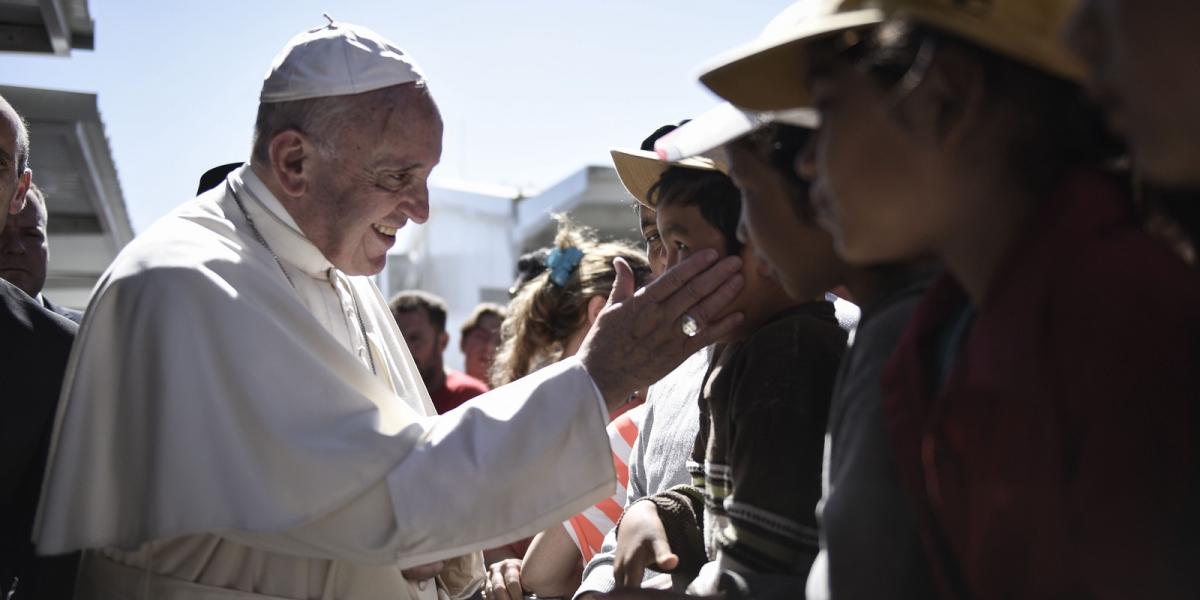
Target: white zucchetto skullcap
[(336, 60)]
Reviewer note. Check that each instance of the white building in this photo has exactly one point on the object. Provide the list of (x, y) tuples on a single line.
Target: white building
[(467, 252)]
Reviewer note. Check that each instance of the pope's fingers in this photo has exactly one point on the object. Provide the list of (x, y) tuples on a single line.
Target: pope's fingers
[(709, 289), (716, 302), (679, 275)]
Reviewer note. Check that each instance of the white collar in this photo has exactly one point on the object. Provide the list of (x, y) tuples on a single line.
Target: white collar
[(276, 225)]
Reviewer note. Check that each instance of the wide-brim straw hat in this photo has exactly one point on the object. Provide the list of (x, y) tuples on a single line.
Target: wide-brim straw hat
[(639, 170), (771, 72)]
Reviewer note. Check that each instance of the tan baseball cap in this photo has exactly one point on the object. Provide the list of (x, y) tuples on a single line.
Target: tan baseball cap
[(770, 72)]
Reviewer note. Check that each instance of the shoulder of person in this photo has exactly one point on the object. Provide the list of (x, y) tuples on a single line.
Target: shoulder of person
[(22, 316)]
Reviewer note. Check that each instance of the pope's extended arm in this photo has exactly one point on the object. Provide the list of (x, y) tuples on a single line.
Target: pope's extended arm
[(501, 467)]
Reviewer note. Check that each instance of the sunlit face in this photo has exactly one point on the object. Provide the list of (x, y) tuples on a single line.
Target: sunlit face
[(373, 183), (1142, 57), (24, 251), (424, 342), (871, 176), (656, 252), (480, 344), (685, 231), (800, 254)]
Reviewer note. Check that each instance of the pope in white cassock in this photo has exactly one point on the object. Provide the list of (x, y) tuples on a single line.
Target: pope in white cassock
[(241, 417)]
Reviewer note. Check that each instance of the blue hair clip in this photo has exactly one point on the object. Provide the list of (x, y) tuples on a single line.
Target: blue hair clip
[(562, 262)]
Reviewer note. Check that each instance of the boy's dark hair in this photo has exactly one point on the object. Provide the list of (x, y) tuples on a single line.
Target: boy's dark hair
[(713, 192), (411, 300)]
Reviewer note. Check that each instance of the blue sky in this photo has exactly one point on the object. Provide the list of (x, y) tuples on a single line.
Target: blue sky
[(530, 91)]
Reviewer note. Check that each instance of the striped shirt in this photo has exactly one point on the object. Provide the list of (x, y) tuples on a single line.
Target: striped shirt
[(588, 528)]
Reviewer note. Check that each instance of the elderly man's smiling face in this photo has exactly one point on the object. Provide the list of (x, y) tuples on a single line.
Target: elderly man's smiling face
[(371, 178)]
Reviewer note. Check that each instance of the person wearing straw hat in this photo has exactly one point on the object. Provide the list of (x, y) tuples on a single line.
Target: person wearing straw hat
[(865, 521), (241, 417), (756, 460), (1041, 403)]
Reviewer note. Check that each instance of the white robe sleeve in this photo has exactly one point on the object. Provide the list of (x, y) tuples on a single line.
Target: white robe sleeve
[(499, 468)]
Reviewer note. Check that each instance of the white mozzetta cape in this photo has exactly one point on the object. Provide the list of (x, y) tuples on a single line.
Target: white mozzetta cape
[(202, 396)]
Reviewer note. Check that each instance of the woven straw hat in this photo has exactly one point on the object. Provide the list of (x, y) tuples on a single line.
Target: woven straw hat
[(639, 170)]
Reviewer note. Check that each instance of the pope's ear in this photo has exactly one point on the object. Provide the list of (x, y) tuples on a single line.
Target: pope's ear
[(290, 155)]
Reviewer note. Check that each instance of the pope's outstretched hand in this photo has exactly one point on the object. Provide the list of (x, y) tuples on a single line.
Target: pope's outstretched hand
[(640, 335)]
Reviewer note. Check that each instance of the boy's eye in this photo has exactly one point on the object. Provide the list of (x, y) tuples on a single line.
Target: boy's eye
[(652, 237), (681, 246)]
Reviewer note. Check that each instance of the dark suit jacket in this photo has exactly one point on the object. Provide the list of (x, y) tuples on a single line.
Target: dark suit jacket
[(34, 345), (74, 315)]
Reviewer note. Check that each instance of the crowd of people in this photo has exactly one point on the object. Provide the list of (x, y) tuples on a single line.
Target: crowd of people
[(916, 316)]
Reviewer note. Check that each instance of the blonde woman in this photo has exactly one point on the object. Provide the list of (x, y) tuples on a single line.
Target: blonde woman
[(546, 322)]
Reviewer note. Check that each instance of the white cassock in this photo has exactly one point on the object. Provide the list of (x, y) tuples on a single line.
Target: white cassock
[(222, 435)]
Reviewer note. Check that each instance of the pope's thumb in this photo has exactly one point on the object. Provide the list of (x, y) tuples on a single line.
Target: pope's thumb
[(623, 286)]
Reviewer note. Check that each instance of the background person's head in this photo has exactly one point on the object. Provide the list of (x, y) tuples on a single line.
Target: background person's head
[(15, 175), (1141, 57), (777, 215), (421, 317), (921, 132), (479, 339), (350, 167), (24, 249), (553, 311)]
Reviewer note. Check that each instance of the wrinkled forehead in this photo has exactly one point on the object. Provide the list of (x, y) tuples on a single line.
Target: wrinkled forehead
[(407, 128)]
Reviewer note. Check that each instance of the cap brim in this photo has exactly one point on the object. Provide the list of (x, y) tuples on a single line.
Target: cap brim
[(639, 170), (771, 73), (722, 125)]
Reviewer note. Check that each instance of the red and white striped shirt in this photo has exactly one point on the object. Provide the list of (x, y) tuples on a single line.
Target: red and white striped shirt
[(587, 529)]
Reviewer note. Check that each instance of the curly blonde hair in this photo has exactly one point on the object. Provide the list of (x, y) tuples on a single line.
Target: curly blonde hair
[(543, 315)]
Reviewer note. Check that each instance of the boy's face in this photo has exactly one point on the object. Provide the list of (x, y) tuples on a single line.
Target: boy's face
[(685, 231)]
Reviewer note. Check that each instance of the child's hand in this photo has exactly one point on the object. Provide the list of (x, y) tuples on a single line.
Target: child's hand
[(641, 543), (504, 580)]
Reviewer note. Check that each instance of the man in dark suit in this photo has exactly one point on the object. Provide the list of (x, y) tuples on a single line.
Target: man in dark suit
[(34, 345), (25, 252)]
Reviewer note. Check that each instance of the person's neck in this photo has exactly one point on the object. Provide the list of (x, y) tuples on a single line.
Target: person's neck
[(767, 310), (873, 284), (992, 222)]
